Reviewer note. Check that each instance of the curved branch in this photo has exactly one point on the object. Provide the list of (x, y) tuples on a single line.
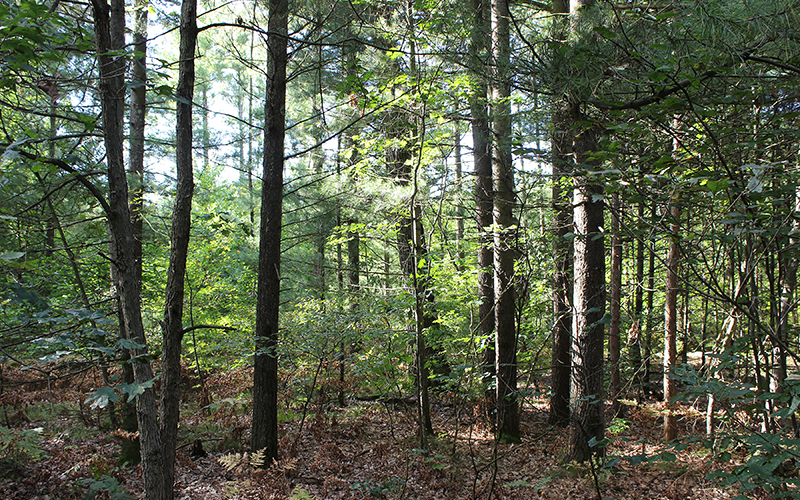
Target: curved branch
[(67, 168)]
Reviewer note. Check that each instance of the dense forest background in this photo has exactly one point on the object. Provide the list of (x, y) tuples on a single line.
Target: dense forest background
[(460, 230)]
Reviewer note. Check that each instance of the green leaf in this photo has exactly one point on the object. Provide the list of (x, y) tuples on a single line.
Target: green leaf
[(101, 397), (605, 32), (12, 256), (135, 389)]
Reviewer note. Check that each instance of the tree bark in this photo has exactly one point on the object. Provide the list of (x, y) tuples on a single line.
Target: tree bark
[(587, 422), (112, 91), (503, 183), (671, 322), (616, 295), (484, 192), (130, 447), (179, 241), (265, 373), (560, 149)]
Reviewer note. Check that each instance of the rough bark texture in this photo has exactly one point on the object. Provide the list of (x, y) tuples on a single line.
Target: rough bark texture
[(484, 192), (265, 373), (671, 323), (179, 242), (560, 149), (503, 183), (130, 447), (112, 92), (587, 420)]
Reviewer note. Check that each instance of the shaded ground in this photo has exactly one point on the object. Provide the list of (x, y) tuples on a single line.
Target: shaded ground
[(363, 450)]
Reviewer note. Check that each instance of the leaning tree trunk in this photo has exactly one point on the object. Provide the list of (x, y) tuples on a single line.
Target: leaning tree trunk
[(179, 238), (265, 370)]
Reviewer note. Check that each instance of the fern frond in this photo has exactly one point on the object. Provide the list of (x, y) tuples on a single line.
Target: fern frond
[(257, 458), (232, 461)]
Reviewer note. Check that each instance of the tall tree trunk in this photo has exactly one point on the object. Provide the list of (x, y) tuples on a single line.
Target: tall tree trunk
[(503, 183), (589, 296), (109, 26), (648, 324), (411, 248), (671, 322), (130, 447), (265, 373), (484, 192), (560, 148), (635, 335), (588, 301), (181, 223), (616, 295)]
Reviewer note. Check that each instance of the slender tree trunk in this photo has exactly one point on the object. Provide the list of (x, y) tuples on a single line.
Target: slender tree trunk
[(560, 149), (130, 447), (648, 326), (109, 25), (411, 247), (181, 223), (422, 322), (635, 336), (206, 131), (459, 189), (484, 192), (504, 197), (788, 263), (616, 295), (671, 322), (265, 373)]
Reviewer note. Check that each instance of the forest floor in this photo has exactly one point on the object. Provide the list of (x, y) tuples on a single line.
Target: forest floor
[(55, 448)]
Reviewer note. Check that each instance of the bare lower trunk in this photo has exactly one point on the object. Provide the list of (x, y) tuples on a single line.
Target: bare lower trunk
[(265, 370), (503, 182), (587, 421), (484, 192), (109, 24), (616, 295), (179, 242), (671, 323)]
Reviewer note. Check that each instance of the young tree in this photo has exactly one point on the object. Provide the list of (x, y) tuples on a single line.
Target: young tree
[(671, 321), (616, 303)]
